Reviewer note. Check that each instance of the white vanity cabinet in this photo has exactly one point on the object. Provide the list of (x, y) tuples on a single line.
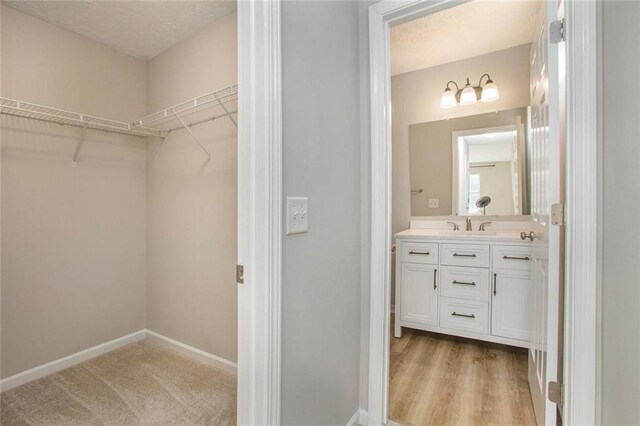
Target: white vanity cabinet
[(419, 294), (477, 288)]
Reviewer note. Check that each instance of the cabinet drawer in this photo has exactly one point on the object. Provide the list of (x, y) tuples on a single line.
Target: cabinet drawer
[(465, 255), (517, 258), (419, 252), (464, 283), (464, 315)]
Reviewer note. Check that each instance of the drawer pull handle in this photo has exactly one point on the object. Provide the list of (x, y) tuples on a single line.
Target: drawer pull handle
[(425, 253), (435, 279), (463, 282), (464, 255), (516, 258), (455, 314)]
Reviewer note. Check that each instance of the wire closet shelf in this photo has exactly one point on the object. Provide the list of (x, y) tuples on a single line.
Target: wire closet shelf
[(211, 106)]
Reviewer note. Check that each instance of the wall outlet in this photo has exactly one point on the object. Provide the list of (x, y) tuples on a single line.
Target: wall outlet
[(434, 203), (297, 215)]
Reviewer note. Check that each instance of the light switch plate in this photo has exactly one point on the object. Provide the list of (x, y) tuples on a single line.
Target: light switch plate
[(297, 215), (434, 203)]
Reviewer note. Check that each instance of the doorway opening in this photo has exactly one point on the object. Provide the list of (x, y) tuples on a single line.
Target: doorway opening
[(460, 275)]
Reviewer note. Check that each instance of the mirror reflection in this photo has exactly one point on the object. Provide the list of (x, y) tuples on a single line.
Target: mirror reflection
[(466, 166)]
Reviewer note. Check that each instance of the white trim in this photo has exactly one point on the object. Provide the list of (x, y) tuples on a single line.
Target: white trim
[(259, 212), (355, 419), (381, 15), (455, 163), (69, 361), (364, 417), (580, 312), (581, 231), (195, 353)]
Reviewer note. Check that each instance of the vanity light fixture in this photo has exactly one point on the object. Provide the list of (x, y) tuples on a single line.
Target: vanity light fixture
[(470, 94)]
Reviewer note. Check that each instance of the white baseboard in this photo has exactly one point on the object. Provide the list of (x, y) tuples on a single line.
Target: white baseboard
[(68, 361), (87, 354), (190, 351), (355, 419), (360, 417), (363, 416)]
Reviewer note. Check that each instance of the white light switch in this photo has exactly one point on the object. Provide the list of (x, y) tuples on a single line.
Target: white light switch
[(434, 203), (297, 215)]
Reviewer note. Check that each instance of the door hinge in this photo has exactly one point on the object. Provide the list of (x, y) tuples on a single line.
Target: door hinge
[(240, 274), (558, 214), (557, 32), (555, 393)]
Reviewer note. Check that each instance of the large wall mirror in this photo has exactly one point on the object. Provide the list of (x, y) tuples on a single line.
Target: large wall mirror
[(473, 165)]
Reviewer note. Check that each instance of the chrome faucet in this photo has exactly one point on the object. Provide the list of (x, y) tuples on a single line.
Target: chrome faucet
[(455, 226), (469, 228), (482, 225)]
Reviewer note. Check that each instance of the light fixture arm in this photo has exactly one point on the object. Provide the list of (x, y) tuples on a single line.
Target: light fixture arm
[(483, 76), (455, 84)]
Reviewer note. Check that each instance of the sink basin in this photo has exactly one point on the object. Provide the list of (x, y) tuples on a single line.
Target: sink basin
[(467, 233)]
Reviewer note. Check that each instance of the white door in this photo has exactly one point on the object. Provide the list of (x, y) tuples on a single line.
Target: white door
[(546, 172), (419, 294), (511, 309)]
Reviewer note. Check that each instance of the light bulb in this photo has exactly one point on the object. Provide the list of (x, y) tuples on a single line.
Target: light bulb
[(448, 99), (468, 95), (490, 92)]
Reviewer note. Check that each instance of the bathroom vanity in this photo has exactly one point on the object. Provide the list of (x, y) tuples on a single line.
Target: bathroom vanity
[(473, 284)]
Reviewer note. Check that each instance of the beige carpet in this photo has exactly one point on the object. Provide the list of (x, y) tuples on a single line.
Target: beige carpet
[(139, 384)]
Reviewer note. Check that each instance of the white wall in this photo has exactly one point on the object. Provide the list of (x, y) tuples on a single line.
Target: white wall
[(321, 269), (415, 97), (192, 203), (73, 239), (496, 182), (620, 244)]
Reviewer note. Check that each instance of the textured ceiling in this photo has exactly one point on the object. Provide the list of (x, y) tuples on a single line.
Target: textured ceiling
[(464, 31), (140, 28)]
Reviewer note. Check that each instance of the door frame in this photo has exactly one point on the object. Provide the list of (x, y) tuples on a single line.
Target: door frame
[(455, 166), (259, 212), (580, 308)]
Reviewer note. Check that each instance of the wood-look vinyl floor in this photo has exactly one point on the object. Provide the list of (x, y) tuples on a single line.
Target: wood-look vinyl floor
[(443, 380)]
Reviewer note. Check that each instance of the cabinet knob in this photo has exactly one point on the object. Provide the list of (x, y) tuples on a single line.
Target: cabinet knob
[(524, 235)]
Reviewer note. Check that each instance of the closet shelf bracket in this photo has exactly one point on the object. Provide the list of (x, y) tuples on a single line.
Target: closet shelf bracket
[(195, 138), (226, 111), (83, 134), (157, 147)]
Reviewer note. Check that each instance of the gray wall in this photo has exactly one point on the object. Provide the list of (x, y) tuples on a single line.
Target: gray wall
[(321, 269), (365, 200), (620, 304)]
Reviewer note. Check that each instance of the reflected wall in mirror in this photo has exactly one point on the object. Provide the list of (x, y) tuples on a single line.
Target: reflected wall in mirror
[(455, 162)]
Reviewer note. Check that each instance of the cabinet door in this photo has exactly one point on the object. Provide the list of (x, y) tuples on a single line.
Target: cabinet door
[(511, 305), (419, 294)]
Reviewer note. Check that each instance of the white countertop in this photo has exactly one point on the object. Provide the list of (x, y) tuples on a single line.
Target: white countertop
[(443, 234)]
